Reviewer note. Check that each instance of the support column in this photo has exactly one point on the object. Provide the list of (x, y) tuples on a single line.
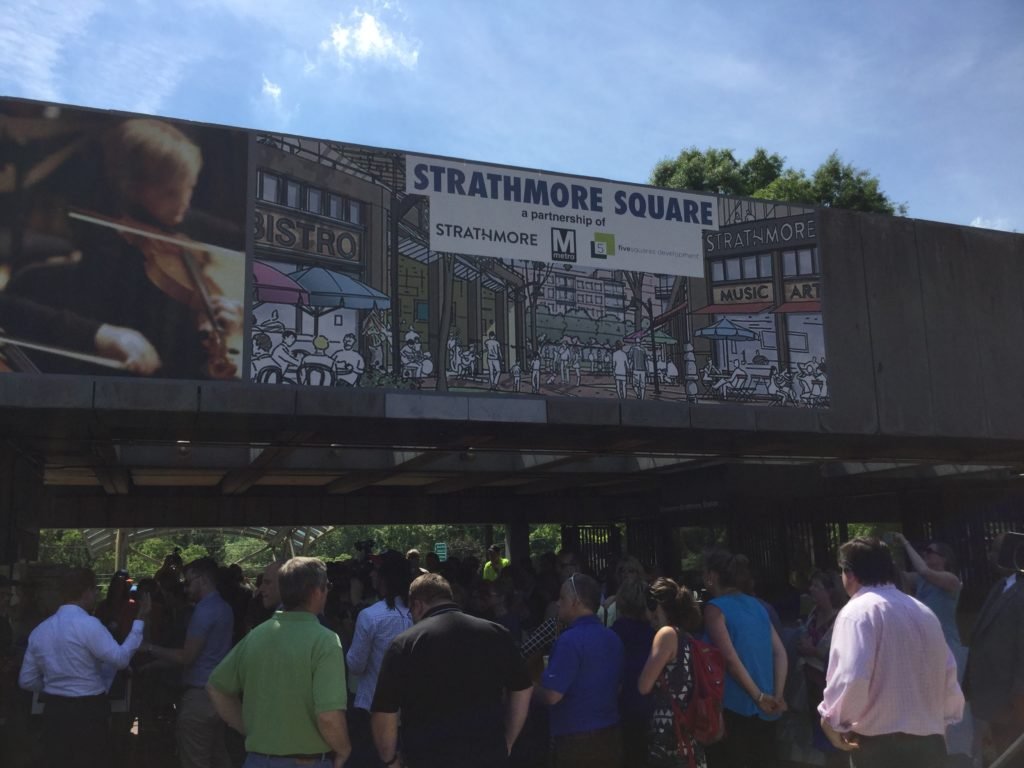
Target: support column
[(21, 487), (518, 535), (120, 549)]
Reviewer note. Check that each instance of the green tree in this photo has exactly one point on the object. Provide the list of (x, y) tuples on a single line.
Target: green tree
[(834, 184)]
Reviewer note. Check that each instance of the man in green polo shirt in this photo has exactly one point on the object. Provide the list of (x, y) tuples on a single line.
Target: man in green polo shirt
[(283, 686)]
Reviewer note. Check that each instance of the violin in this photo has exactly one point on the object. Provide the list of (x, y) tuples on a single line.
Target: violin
[(191, 273)]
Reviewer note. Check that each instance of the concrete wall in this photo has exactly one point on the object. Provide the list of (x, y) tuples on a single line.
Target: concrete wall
[(923, 323)]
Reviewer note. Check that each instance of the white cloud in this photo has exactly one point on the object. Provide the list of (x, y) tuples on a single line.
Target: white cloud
[(994, 223), (33, 45), (368, 38), (273, 90)]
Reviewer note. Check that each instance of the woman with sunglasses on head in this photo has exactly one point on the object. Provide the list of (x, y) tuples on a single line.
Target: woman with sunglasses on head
[(668, 672), (935, 583), (755, 660)]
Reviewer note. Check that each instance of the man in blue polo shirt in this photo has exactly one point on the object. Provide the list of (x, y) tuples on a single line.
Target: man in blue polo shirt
[(581, 682)]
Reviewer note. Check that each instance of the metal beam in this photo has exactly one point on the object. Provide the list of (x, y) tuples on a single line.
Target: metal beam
[(242, 480), (403, 461)]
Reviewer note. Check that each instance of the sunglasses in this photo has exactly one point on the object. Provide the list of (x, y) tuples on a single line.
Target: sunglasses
[(652, 601)]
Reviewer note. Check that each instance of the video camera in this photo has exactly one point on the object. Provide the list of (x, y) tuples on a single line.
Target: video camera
[(1011, 552)]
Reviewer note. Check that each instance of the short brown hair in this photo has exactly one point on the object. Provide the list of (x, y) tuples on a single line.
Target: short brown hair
[(74, 582), (297, 580), (869, 559), (430, 588)]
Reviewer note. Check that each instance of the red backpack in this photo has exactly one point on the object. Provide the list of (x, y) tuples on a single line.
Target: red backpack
[(702, 719)]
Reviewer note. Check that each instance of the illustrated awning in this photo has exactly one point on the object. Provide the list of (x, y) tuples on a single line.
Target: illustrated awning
[(799, 307)]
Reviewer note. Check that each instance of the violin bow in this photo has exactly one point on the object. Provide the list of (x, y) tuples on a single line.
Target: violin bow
[(84, 357), (91, 217)]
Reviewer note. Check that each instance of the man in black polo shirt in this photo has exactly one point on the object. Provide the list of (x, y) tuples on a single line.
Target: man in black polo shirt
[(448, 675)]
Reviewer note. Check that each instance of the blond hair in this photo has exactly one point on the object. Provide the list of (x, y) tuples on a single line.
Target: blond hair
[(143, 152)]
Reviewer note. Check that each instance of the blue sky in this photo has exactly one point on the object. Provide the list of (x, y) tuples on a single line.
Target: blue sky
[(926, 94)]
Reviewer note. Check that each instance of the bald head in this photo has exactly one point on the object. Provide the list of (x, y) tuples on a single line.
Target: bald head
[(270, 594)]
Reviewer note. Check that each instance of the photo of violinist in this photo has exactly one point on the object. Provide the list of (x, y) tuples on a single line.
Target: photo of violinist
[(121, 245)]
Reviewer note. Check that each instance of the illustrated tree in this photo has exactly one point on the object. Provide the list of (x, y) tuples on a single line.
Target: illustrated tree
[(535, 275)]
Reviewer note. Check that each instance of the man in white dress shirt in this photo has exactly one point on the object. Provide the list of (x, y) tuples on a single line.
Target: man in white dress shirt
[(71, 658), (376, 627), (891, 684)]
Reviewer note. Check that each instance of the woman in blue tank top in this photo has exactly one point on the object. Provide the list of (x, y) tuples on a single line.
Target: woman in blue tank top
[(935, 583), (755, 660)]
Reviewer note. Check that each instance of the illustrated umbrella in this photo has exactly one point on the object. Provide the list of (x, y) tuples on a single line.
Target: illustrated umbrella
[(726, 330), (335, 290), (330, 290), (271, 286)]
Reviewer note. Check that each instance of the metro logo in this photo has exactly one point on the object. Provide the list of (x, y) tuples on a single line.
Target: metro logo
[(563, 245)]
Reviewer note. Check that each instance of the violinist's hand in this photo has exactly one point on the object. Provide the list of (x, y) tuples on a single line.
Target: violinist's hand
[(129, 346), (228, 313)]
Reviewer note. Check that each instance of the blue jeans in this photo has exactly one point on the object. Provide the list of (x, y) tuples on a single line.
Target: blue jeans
[(256, 760)]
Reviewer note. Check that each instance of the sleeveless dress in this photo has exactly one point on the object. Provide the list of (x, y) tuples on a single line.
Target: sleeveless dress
[(662, 746)]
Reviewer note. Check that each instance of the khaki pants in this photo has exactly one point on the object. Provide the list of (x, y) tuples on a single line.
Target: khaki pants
[(200, 732)]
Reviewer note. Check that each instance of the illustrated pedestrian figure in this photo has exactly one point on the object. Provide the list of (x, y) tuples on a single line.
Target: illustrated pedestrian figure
[(620, 369), (638, 362), (517, 376), (492, 348), (535, 373)]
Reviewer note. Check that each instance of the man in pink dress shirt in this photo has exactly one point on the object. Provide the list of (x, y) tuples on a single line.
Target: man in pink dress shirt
[(891, 683)]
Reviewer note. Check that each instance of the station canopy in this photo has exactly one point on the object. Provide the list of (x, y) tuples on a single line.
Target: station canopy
[(289, 541)]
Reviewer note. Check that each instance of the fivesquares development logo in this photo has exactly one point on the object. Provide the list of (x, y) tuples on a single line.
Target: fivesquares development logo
[(563, 245), (602, 246)]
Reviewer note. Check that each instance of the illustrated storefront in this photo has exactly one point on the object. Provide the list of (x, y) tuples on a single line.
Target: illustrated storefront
[(318, 298), (762, 326)]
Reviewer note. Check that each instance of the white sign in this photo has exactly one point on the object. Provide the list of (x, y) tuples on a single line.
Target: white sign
[(488, 210)]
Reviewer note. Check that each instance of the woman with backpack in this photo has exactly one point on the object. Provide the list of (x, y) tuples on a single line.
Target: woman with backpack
[(669, 674), (755, 659)]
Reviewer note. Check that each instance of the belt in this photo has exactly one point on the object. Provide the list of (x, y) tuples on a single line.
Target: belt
[(585, 734), (313, 758), (896, 736), (45, 697)]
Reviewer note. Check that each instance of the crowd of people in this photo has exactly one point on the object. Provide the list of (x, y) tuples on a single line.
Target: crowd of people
[(403, 660)]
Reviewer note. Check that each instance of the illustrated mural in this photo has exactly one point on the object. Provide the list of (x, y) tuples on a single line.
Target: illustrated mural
[(121, 244), (333, 305), (123, 251)]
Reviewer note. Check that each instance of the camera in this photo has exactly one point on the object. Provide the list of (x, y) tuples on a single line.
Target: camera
[(1011, 552)]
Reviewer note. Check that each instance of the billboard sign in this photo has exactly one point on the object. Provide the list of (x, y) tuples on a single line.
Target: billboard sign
[(493, 211)]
